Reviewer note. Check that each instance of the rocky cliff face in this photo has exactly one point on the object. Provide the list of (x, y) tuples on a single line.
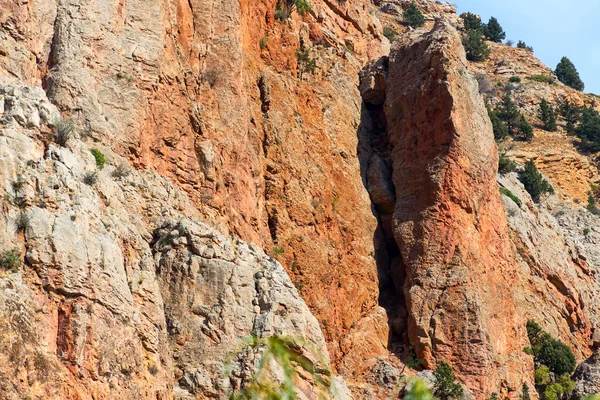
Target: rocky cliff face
[(374, 187), (209, 95), (447, 221), (122, 292)]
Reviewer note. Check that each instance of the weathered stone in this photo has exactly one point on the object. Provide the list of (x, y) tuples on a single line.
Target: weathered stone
[(448, 220), (587, 377)]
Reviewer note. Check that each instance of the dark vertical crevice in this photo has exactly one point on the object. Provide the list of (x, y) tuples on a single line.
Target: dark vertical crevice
[(376, 169), (52, 54)]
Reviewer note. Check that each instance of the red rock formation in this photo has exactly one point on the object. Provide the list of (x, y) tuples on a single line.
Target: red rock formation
[(449, 222)]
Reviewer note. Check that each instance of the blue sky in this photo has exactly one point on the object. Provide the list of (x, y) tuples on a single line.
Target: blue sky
[(554, 28)]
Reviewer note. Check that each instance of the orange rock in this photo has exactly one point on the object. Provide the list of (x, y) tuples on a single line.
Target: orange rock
[(449, 222)]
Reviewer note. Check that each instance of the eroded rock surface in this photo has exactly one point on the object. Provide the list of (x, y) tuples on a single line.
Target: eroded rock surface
[(122, 292)]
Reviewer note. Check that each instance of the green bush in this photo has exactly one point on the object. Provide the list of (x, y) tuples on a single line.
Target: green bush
[(556, 355), (534, 182), (285, 7), (493, 31), (306, 63), (505, 164), (556, 391), (541, 78), (100, 160), (445, 387), (413, 17), (390, 33), (475, 46), (10, 260), (511, 196), (418, 391), (514, 79), (542, 376), (547, 116), (278, 250), (302, 6), (263, 42), (494, 396), (521, 45), (412, 361), (281, 13), (567, 74), (550, 352)]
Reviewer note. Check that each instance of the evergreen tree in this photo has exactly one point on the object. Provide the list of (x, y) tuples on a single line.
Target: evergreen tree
[(525, 129), (571, 113), (588, 129), (548, 116), (536, 185), (525, 392), (567, 74), (475, 46), (500, 128), (445, 387), (413, 17), (505, 164), (516, 124), (471, 22), (508, 112), (521, 45), (493, 31), (306, 63)]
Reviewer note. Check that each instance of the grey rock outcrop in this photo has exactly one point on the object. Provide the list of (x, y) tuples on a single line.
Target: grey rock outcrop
[(123, 292)]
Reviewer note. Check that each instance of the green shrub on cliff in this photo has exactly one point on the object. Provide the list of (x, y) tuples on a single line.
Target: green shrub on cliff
[(511, 196), (285, 7), (534, 183), (548, 351), (306, 63), (521, 45), (10, 260), (418, 391), (413, 17), (505, 164), (390, 33), (445, 387), (99, 157)]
